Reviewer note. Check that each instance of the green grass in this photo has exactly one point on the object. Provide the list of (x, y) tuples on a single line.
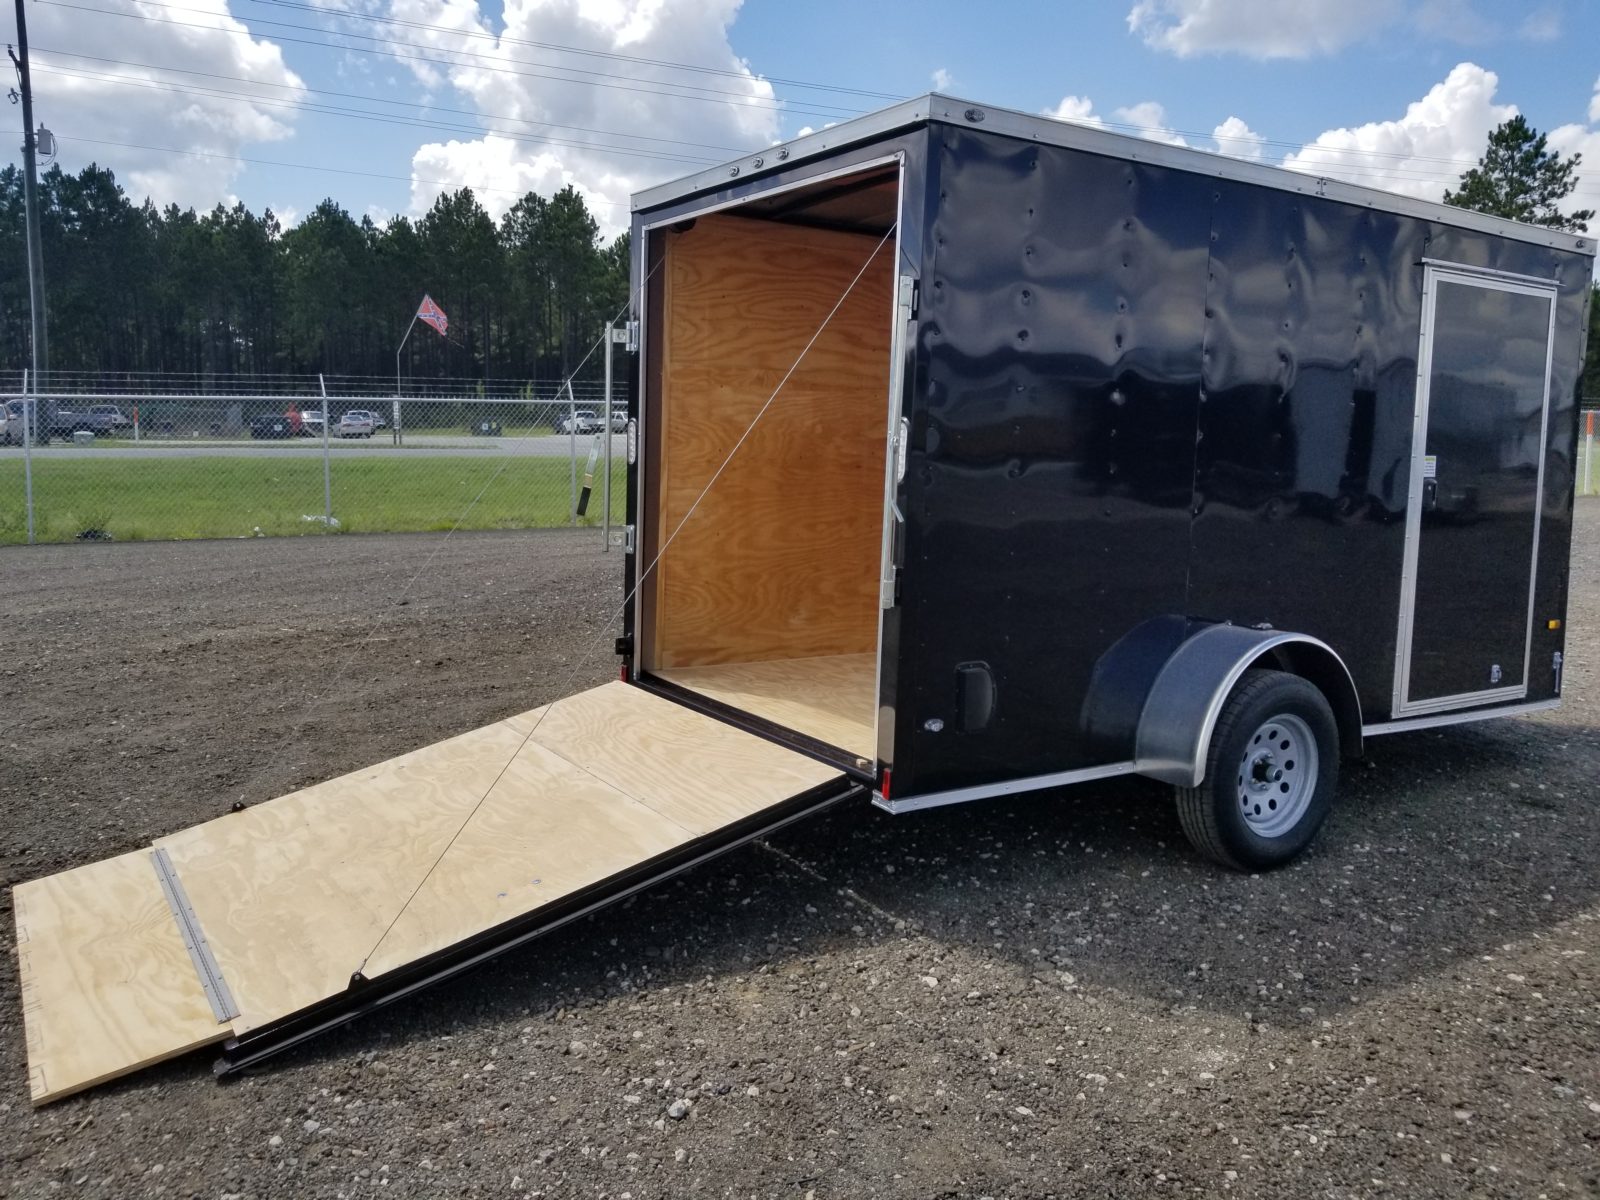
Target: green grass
[(223, 496)]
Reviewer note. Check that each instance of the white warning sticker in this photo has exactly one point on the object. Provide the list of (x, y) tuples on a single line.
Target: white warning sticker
[(1430, 466)]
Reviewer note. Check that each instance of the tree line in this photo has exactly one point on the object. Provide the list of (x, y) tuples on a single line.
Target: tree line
[(132, 287)]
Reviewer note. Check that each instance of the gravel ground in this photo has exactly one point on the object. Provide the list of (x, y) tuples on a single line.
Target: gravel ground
[(1049, 996)]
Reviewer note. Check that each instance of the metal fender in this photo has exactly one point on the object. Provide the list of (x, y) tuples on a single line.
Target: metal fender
[(1175, 726)]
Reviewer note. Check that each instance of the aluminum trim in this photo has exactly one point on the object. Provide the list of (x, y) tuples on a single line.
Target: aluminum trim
[(856, 168), (1542, 281), (223, 1005), (901, 316), (1457, 718), (1010, 787), (942, 109), (1436, 272)]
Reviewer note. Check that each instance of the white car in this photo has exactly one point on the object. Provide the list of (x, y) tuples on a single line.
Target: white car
[(356, 423), (11, 422), (583, 420)]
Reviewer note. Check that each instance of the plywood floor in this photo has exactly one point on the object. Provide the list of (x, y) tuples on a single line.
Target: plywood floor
[(830, 699), (296, 894)]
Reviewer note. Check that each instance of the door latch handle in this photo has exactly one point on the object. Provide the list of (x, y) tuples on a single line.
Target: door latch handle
[(1430, 494)]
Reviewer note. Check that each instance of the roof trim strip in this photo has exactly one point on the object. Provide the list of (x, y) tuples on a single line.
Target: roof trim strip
[(1049, 131)]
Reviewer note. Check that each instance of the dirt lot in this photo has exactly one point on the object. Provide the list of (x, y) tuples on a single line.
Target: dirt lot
[(1051, 996)]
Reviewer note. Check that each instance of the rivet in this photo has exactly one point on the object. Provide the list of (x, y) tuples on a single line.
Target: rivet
[(758, 162), (783, 154), (733, 170)]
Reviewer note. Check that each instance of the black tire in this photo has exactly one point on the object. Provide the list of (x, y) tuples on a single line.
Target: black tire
[(1231, 817)]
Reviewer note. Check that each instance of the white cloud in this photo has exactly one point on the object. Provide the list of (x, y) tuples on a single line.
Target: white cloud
[(288, 216), (1074, 108), (1594, 104), (1543, 24), (1268, 29), (636, 126), (1149, 120), (76, 98), (1421, 153), (942, 80), (1256, 28), (1237, 140)]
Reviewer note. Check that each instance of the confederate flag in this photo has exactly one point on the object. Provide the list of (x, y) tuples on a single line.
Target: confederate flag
[(433, 315)]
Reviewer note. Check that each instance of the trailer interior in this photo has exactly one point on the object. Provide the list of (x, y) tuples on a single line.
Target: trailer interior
[(765, 596)]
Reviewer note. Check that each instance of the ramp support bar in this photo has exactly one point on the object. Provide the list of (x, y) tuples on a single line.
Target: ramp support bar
[(364, 996)]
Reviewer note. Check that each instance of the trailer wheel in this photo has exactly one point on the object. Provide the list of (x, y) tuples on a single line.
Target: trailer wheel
[(1270, 774)]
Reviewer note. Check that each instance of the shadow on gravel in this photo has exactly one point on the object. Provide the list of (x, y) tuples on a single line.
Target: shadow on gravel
[(1445, 845)]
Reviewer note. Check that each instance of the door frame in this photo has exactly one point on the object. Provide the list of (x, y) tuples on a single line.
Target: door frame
[(1434, 273)]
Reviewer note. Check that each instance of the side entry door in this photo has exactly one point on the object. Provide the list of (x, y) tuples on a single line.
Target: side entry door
[(1472, 524)]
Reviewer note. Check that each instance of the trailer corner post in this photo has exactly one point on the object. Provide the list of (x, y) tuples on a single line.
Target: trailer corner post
[(29, 403), (327, 478), (572, 448)]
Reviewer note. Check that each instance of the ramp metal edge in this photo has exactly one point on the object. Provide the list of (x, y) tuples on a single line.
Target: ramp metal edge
[(366, 995), (824, 752)]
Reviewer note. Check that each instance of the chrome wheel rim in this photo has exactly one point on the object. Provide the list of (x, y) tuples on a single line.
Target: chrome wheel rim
[(1277, 775)]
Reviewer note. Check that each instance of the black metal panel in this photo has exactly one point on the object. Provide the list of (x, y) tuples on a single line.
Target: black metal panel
[(1052, 444), (1303, 467)]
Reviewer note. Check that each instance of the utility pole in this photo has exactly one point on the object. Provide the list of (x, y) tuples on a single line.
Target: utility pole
[(30, 185)]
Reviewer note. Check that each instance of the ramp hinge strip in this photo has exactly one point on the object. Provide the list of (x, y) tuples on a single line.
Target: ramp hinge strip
[(194, 941)]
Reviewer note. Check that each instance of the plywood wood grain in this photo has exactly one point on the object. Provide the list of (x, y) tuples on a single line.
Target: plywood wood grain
[(698, 772), (830, 699), (107, 985), (779, 559), (295, 894)]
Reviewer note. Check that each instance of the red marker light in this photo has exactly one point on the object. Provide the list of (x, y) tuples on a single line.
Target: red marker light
[(883, 788)]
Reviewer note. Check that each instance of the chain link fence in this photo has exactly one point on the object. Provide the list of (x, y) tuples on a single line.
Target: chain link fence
[(132, 458)]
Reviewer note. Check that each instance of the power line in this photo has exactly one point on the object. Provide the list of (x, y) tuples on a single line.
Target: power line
[(505, 39), (380, 118), (732, 150), (265, 162), (714, 96)]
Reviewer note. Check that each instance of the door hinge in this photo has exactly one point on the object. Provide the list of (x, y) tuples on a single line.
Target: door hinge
[(630, 339), (1555, 665), (907, 299)]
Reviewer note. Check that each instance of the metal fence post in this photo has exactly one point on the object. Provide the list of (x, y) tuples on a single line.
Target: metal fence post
[(327, 478), (572, 448), (1588, 454), (29, 404)]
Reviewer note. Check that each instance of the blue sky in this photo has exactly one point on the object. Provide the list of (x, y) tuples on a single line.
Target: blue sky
[(1394, 93)]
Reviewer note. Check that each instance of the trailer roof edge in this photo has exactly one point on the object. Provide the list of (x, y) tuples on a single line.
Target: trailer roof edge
[(950, 110)]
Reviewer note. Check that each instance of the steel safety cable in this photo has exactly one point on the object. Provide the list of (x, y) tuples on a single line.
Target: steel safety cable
[(588, 650), (383, 617)]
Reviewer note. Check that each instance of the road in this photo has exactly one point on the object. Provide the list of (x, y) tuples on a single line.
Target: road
[(416, 445)]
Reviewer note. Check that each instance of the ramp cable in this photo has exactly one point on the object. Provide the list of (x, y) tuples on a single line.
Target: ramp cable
[(358, 975)]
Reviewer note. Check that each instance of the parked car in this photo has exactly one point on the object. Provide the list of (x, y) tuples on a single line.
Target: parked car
[(584, 420), (311, 423), (357, 422), (11, 423), (106, 420), (272, 425), (619, 419)]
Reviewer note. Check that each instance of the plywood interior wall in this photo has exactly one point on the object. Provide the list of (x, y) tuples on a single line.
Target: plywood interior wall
[(780, 559)]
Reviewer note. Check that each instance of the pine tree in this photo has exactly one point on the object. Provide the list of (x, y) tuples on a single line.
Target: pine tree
[(1519, 178)]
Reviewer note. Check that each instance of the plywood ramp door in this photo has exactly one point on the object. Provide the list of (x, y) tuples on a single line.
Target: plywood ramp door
[(294, 895), (780, 558)]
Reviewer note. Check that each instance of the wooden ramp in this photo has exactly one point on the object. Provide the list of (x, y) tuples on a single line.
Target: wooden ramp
[(239, 927)]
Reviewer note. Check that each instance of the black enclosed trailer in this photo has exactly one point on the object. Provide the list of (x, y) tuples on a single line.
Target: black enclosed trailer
[(1114, 457), (971, 453)]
